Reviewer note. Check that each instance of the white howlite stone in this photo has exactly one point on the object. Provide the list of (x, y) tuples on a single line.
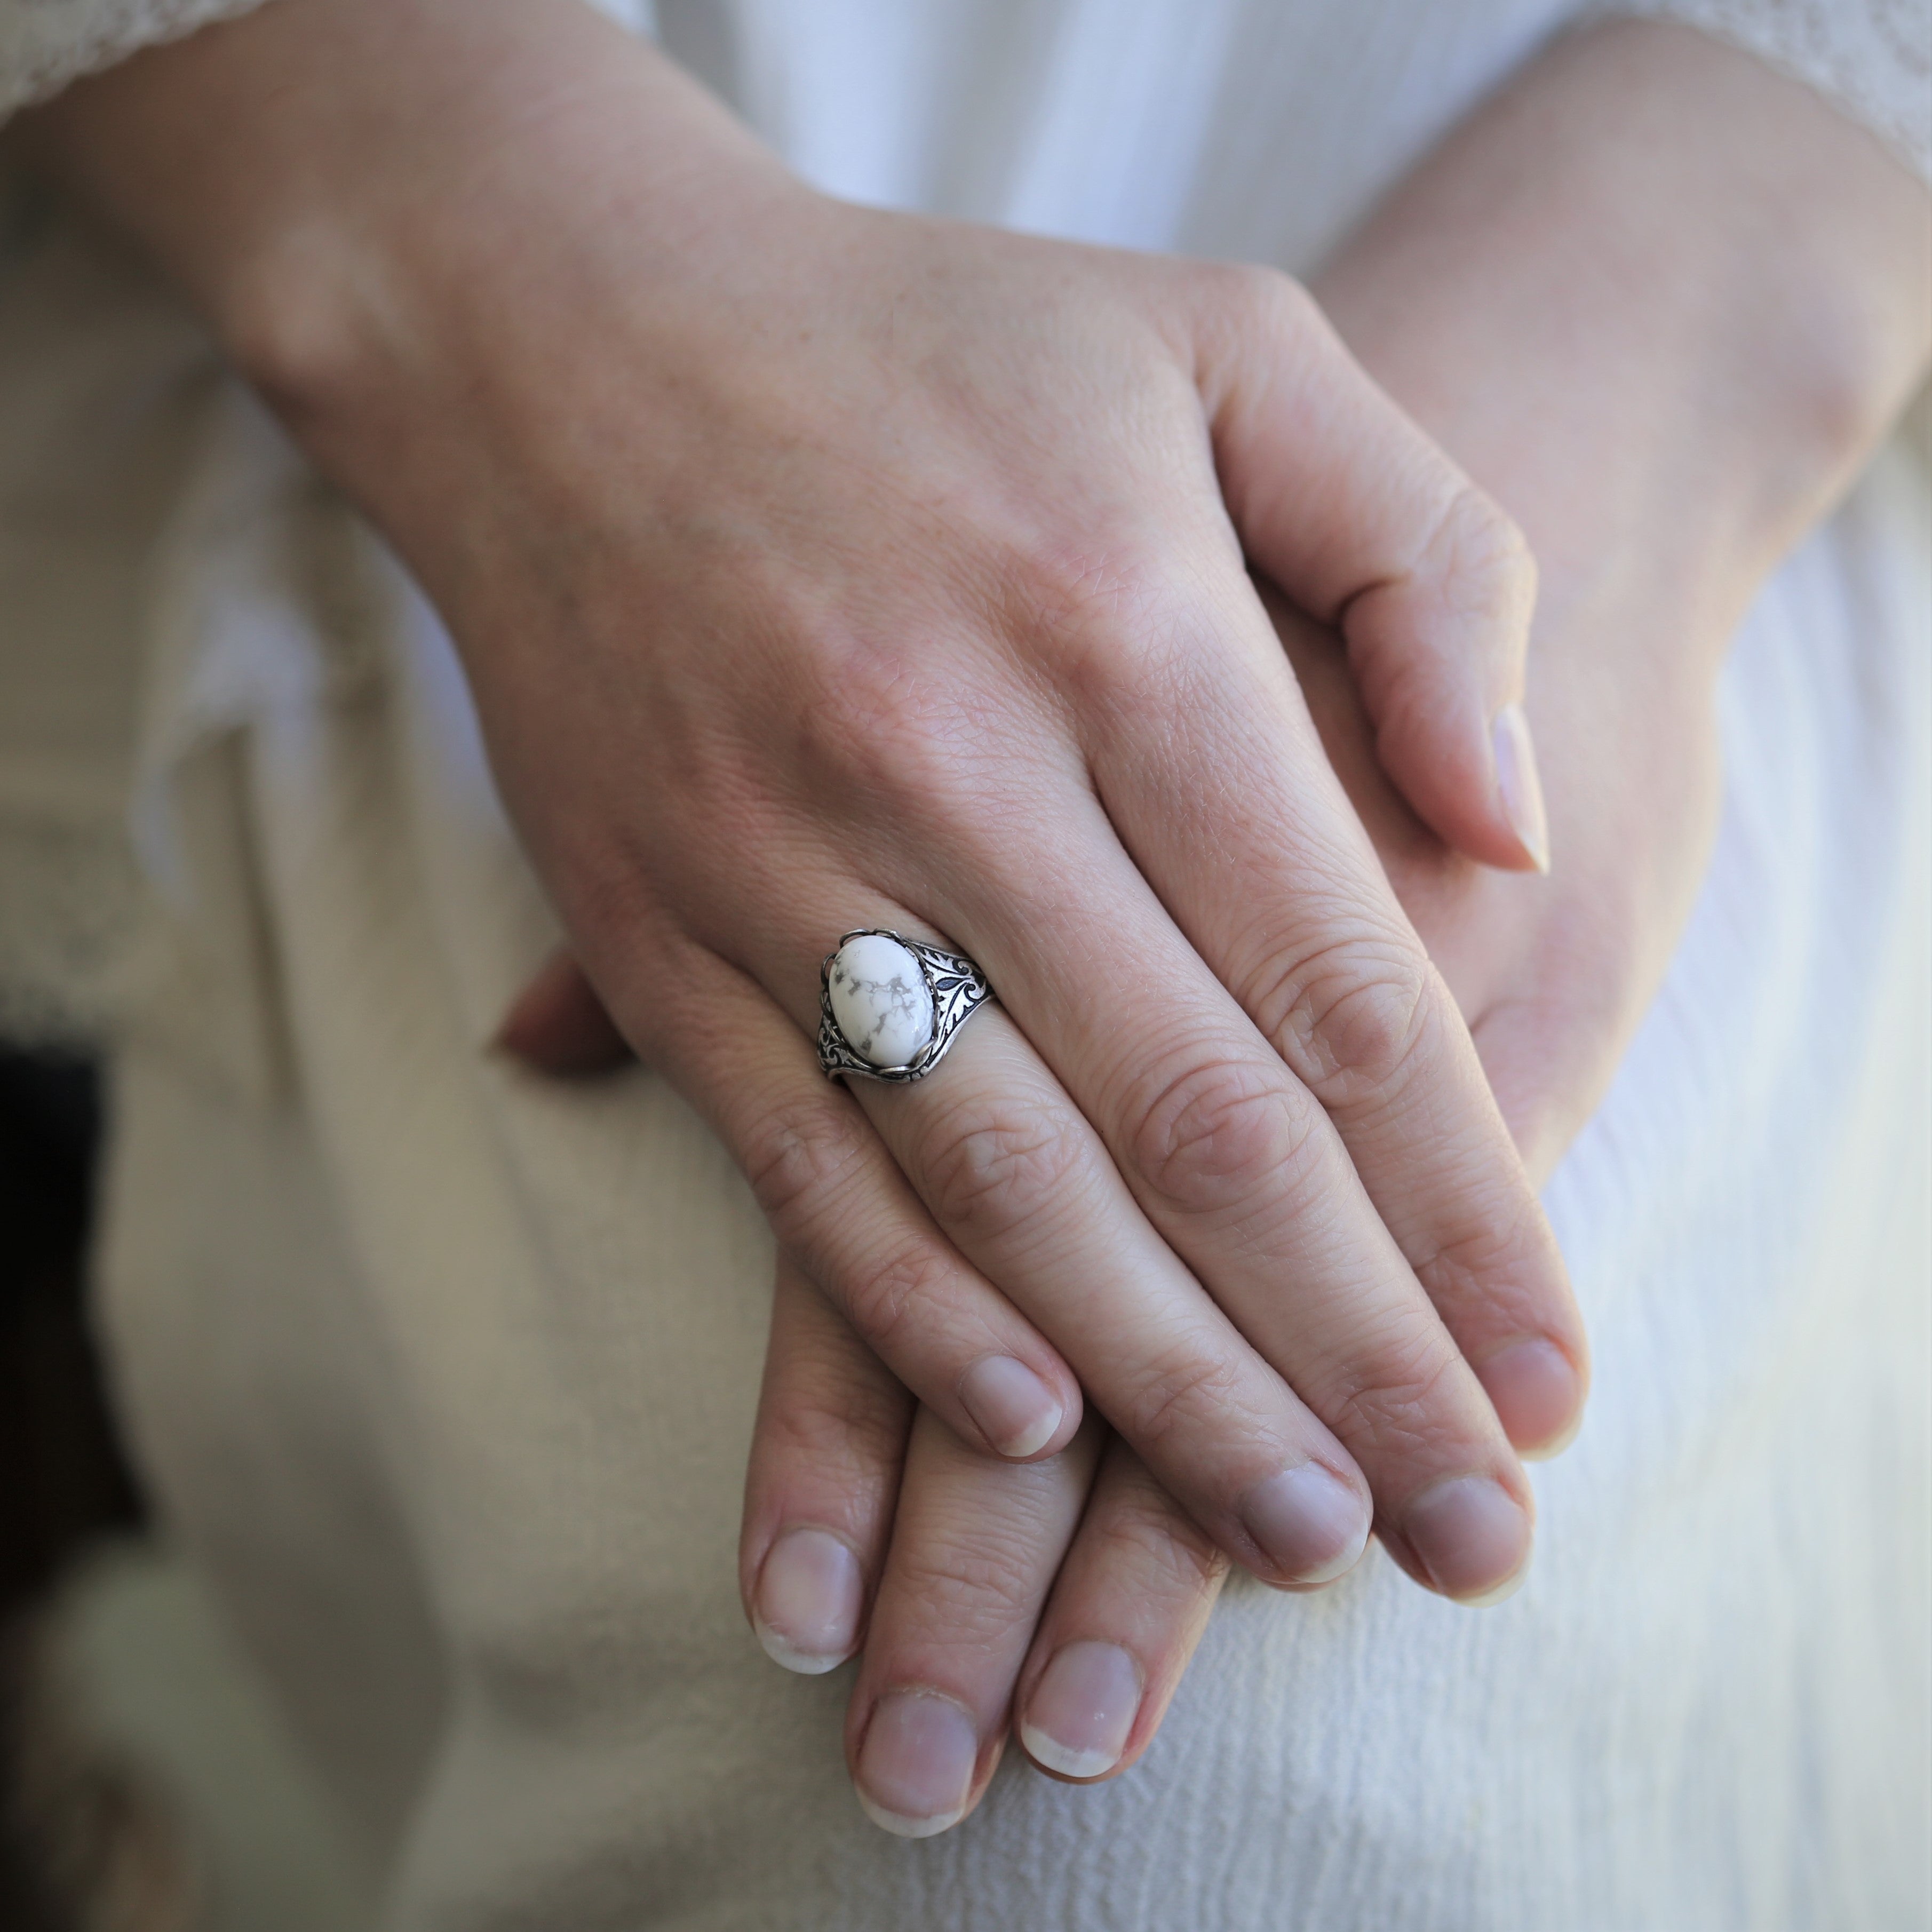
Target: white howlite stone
[(880, 999)]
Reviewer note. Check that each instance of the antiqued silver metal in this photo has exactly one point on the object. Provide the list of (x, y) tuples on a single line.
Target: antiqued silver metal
[(958, 989)]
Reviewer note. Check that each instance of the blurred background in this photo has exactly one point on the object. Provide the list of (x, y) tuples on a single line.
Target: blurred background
[(146, 1784)]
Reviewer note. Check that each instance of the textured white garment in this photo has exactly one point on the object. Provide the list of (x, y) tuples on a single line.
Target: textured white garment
[(45, 43), (447, 1372), (1874, 55)]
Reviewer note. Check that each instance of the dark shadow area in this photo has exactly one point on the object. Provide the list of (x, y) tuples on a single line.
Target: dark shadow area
[(63, 1478)]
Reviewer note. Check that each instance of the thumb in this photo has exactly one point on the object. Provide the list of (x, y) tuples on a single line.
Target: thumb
[(1345, 502)]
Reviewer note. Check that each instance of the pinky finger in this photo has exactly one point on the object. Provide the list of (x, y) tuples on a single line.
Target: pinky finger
[(822, 1482), (1132, 1600)]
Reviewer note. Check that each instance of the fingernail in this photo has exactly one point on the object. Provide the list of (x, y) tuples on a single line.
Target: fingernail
[(809, 1597), (916, 1767), (1016, 1411), (1082, 1708), (1310, 1523), (1473, 1538), (1537, 1393), (1517, 783)]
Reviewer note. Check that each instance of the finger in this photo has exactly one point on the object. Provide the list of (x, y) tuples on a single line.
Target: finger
[(835, 1199), (821, 1481), (1351, 1371), (1544, 1067), (558, 1025), (1239, 1170), (1023, 1185), (1132, 1598), (1357, 515), (975, 1545), (1237, 820), (1130, 1603), (1018, 1180), (1015, 1177)]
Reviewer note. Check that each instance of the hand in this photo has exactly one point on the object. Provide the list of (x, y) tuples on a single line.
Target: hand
[(991, 1602), (1064, 1599), (816, 568)]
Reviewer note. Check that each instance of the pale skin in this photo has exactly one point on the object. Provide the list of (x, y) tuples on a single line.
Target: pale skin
[(1659, 303)]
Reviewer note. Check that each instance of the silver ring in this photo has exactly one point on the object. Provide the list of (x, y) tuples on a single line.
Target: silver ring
[(890, 1006)]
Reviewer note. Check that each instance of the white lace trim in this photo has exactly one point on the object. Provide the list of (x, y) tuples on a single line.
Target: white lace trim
[(1873, 57), (45, 43)]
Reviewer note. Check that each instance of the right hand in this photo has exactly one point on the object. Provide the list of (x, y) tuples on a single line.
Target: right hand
[(817, 567)]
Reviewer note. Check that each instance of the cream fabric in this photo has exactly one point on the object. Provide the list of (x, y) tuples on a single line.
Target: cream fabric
[(1873, 57), (45, 43), (446, 1373)]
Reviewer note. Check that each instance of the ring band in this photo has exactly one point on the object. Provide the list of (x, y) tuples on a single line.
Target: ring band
[(890, 1006)]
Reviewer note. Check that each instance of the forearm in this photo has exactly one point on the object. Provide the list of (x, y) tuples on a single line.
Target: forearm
[(331, 182), (1704, 293)]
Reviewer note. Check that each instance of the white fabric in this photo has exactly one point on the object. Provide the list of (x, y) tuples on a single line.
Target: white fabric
[(45, 43), (1873, 57), (103, 382), (448, 1373)]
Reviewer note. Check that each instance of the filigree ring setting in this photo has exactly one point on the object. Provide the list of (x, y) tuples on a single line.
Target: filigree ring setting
[(890, 1006)]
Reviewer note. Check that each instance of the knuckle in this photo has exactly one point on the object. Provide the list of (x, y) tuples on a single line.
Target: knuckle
[(805, 1154), (844, 1423), (1190, 1393), (1073, 585), (888, 1297), (995, 1177), (1275, 299), (1217, 1136), (1105, 612), (1479, 548), (1351, 1017), (1501, 1267), (932, 751), (1400, 1402), (1488, 1252), (879, 727), (1163, 1552), (979, 1575)]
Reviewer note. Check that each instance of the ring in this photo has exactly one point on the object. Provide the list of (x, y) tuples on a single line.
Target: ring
[(890, 1006)]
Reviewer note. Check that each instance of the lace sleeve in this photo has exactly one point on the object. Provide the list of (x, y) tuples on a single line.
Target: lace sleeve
[(45, 43), (1873, 57)]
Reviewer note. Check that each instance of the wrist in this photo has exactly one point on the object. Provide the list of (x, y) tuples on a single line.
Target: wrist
[(1660, 301), (357, 194)]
